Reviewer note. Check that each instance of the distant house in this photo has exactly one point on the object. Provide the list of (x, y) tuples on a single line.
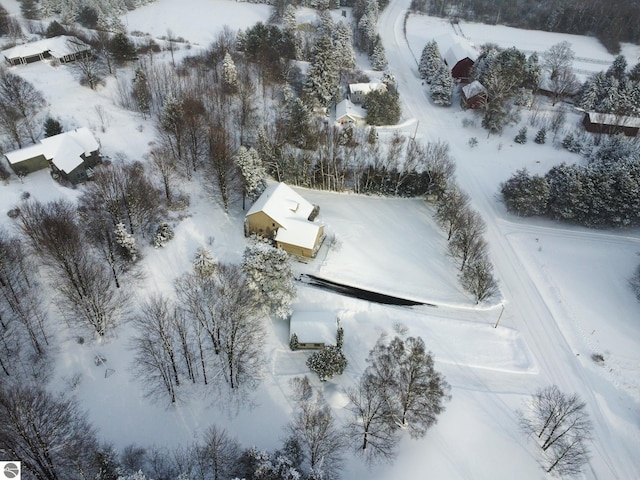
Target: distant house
[(458, 54), (358, 91), (70, 155), (285, 217), (474, 95), (349, 114), (611, 124), (315, 329), (63, 48)]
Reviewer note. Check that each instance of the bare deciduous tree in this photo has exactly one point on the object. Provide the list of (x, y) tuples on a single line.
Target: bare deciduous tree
[(315, 430), (562, 428), (450, 208), (467, 243), (375, 438), (20, 103), (86, 285), (48, 433), (155, 346), (218, 454)]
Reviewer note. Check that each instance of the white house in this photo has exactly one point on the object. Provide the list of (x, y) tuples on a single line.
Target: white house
[(284, 216), (349, 114), (314, 329), (358, 91)]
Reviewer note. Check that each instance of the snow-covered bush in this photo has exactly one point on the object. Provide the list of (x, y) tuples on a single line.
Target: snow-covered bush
[(521, 138), (327, 363), (126, 242), (293, 342), (541, 136), (204, 264), (163, 234)]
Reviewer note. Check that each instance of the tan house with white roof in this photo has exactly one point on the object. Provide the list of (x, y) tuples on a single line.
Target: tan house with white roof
[(314, 329), (285, 217), (70, 155)]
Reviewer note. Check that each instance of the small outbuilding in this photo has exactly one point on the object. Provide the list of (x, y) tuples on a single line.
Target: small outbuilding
[(349, 114), (284, 216), (458, 54), (474, 95), (70, 155), (611, 124), (64, 48), (314, 329)]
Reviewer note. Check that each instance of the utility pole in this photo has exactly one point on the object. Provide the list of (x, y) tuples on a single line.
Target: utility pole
[(499, 317)]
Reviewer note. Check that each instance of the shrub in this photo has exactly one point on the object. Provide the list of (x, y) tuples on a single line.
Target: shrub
[(293, 342), (327, 363), (521, 138), (163, 234)]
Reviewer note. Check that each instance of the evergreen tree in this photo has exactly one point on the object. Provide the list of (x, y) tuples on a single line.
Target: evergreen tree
[(525, 194), (229, 74), (430, 61), (521, 137), (378, 57), (383, 108), (533, 73), (204, 264), (322, 77), (634, 73), (289, 20), (327, 363), (52, 127), (126, 242), (122, 48), (29, 9), (141, 92), (54, 29), (618, 67), (252, 172), (343, 42), (541, 136), (269, 274), (442, 86)]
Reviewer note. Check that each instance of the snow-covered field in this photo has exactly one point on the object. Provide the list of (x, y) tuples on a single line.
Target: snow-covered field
[(564, 289)]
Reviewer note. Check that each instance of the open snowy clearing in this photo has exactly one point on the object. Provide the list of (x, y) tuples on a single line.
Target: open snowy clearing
[(563, 288)]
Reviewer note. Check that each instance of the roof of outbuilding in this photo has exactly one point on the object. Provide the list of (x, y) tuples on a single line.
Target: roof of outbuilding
[(347, 109), (314, 326)]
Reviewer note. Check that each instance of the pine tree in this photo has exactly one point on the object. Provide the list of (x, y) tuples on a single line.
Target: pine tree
[(229, 74), (29, 9), (429, 61), (634, 73), (618, 67), (289, 20), (141, 92), (541, 136), (126, 242), (204, 264), (343, 42), (252, 172), (322, 77), (378, 57), (163, 234), (442, 86), (269, 274), (52, 127), (521, 137)]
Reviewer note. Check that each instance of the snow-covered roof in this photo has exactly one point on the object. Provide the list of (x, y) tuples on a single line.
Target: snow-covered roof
[(347, 109), (365, 88), (473, 89), (63, 150), (314, 327), (58, 47), (291, 212), (613, 120), (454, 48)]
